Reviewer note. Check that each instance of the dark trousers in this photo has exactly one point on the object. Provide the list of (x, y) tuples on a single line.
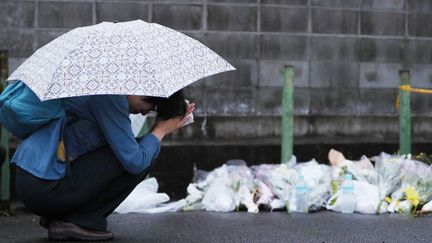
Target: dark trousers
[(92, 189)]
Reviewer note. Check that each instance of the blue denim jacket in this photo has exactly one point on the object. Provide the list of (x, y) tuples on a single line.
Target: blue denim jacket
[(91, 122)]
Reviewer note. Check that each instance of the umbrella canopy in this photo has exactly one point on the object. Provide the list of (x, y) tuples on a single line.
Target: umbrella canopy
[(133, 58)]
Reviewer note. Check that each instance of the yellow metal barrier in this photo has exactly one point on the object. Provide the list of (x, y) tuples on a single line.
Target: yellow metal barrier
[(408, 88)]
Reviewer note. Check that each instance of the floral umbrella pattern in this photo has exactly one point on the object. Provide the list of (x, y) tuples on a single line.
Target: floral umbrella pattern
[(132, 57)]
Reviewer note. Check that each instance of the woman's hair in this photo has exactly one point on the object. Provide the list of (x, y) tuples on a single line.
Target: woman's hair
[(173, 106)]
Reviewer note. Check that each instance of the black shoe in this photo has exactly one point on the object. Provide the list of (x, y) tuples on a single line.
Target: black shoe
[(59, 230)]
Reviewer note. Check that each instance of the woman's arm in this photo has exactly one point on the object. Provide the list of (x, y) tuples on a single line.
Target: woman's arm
[(111, 113)]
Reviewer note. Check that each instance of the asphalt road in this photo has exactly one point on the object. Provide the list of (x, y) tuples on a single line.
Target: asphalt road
[(200, 226)]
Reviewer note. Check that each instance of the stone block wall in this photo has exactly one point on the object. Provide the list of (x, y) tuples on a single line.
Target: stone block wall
[(346, 54)]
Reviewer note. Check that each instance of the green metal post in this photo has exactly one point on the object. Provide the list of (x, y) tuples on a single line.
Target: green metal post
[(287, 113), (404, 115), (4, 140)]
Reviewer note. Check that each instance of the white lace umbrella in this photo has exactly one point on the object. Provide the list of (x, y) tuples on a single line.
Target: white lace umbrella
[(134, 58)]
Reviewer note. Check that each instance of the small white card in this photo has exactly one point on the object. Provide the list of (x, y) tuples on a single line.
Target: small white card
[(189, 118)]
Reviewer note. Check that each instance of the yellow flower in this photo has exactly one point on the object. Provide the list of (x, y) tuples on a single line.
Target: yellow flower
[(412, 195), (388, 199)]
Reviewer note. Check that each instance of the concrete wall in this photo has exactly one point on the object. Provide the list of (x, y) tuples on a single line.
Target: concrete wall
[(346, 54)]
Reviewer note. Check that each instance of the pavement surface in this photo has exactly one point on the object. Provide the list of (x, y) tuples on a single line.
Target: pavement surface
[(201, 226)]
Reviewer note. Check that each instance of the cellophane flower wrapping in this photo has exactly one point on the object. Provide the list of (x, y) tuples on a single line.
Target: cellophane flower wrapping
[(279, 178), (317, 177), (365, 180), (388, 169), (415, 189), (224, 189)]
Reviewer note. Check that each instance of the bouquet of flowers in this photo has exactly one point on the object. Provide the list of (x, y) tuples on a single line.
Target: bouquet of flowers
[(280, 179), (388, 170), (224, 189), (366, 191), (317, 177), (415, 189)]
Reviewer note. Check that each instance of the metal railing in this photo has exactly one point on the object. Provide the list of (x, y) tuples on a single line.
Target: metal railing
[(4, 140), (287, 114), (404, 105)]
